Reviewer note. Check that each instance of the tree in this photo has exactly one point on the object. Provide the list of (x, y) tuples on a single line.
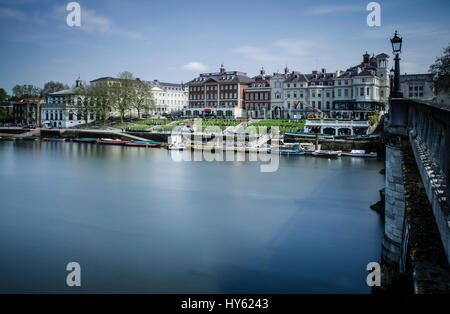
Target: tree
[(124, 93), (102, 100), (143, 98), (440, 70), (3, 95), (25, 91), (51, 87), (83, 106), (4, 116)]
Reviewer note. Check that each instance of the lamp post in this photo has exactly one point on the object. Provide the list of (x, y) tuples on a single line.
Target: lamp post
[(396, 43)]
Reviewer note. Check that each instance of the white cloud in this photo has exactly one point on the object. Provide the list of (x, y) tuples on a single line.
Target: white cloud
[(295, 47), (194, 66), (6, 13), (256, 53), (91, 21), (333, 9)]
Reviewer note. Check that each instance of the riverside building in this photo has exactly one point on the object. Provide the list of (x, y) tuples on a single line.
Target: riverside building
[(219, 94)]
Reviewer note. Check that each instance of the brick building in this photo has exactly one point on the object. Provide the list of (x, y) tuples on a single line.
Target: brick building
[(219, 94)]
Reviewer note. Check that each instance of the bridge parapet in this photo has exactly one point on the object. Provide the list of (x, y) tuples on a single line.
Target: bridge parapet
[(427, 126)]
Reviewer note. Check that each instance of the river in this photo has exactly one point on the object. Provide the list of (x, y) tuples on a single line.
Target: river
[(137, 221)]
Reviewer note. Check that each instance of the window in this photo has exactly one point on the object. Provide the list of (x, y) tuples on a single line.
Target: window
[(346, 92), (368, 91), (339, 92), (361, 91)]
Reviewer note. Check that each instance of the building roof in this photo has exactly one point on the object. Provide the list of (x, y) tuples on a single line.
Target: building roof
[(28, 100), (222, 77), (382, 55), (63, 92)]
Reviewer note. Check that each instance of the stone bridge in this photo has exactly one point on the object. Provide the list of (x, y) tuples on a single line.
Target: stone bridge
[(416, 242)]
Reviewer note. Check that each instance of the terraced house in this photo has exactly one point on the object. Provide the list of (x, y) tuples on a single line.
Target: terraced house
[(257, 97), (219, 94)]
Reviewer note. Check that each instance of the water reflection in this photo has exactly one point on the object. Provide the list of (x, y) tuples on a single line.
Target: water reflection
[(137, 221)]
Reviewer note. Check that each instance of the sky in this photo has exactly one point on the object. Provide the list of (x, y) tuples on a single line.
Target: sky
[(174, 41)]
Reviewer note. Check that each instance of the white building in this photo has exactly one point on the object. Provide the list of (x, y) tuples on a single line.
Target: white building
[(354, 94), (169, 97), (59, 110)]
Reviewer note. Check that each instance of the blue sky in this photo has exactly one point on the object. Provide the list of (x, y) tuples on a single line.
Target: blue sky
[(173, 40)]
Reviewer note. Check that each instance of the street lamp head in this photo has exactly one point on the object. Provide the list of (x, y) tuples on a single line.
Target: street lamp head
[(396, 42)]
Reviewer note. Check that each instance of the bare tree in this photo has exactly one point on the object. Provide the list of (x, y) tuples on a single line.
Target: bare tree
[(143, 100)]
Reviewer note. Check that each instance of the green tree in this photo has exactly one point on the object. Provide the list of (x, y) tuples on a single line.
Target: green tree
[(3, 95), (440, 70), (124, 93), (83, 105), (51, 87), (4, 116), (102, 100)]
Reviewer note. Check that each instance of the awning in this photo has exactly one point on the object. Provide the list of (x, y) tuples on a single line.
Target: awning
[(207, 110)]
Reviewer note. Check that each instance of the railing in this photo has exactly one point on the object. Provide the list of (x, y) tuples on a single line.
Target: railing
[(337, 122), (427, 126)]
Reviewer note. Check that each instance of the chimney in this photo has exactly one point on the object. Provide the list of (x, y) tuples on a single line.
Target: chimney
[(324, 70), (262, 71), (338, 73), (286, 70), (222, 69)]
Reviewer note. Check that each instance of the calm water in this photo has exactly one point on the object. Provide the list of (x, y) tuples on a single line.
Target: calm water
[(137, 221)]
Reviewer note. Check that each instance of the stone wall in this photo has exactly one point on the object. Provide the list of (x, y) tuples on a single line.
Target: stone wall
[(394, 204)]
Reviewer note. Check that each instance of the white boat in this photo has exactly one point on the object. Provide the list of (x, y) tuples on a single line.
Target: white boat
[(175, 147), (326, 153), (359, 153)]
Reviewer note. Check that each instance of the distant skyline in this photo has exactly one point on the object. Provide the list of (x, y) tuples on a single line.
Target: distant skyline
[(174, 41)]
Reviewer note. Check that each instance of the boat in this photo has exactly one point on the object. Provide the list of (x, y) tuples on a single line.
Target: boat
[(309, 148), (175, 147), (143, 144), (326, 153), (359, 153), (109, 141), (29, 138), (85, 140), (288, 149), (8, 138), (54, 139)]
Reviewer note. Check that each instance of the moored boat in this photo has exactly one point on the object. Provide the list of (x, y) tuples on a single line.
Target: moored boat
[(109, 141), (85, 140), (143, 144), (288, 149), (176, 147), (54, 139), (29, 138), (359, 153), (326, 153)]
